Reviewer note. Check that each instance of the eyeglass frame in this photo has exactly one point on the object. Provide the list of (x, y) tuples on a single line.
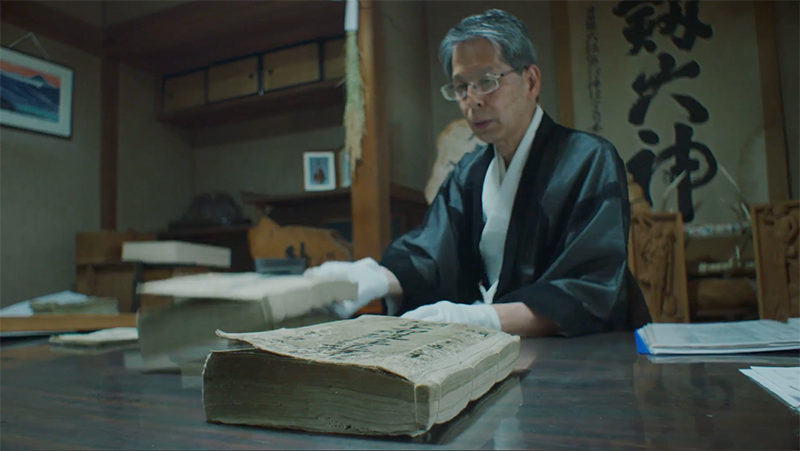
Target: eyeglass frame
[(495, 77)]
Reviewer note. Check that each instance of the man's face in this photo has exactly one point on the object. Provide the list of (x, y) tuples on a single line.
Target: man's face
[(502, 115)]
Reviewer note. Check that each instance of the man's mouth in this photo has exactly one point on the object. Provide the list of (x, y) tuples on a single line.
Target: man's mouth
[(481, 125)]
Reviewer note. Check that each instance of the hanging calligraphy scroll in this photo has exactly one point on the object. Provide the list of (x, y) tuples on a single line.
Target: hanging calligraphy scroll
[(675, 87)]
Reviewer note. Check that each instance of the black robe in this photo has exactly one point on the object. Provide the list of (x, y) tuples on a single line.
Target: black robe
[(566, 248)]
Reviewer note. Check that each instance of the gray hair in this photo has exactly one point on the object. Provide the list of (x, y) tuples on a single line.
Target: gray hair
[(506, 33)]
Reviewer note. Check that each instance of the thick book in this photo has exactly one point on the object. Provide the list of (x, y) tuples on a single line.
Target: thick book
[(374, 375), (736, 337), (176, 253), (237, 302)]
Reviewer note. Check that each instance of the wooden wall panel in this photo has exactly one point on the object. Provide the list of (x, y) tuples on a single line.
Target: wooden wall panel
[(109, 140)]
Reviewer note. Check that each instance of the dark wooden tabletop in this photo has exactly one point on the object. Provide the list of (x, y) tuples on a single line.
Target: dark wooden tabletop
[(578, 393)]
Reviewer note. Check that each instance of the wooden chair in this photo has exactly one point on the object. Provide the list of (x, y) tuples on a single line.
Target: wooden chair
[(656, 260), (775, 235)]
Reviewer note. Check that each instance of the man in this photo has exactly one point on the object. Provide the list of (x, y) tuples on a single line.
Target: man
[(527, 235)]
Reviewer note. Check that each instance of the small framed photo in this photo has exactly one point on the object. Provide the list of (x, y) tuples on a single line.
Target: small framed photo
[(36, 94), (319, 171)]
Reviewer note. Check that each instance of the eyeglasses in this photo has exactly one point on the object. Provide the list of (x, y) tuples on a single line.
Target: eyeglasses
[(486, 85)]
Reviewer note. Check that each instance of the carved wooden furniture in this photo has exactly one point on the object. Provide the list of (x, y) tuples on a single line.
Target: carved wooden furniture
[(656, 259), (775, 234), (270, 240), (332, 209)]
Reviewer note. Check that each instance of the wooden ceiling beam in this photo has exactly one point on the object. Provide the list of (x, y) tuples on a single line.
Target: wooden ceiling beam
[(46, 21)]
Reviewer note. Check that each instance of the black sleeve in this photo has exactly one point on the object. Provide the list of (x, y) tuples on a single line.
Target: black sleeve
[(433, 262)]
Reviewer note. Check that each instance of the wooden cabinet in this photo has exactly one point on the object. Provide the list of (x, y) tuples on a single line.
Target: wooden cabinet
[(333, 65), (234, 79), (292, 66), (257, 85), (185, 91)]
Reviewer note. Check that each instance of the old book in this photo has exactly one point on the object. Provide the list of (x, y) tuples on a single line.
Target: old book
[(374, 375), (116, 337), (176, 253), (238, 302)]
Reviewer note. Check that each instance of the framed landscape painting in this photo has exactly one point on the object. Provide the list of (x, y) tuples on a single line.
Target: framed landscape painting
[(35, 94)]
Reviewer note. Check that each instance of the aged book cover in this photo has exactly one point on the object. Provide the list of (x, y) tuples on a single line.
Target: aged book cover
[(238, 302), (374, 375)]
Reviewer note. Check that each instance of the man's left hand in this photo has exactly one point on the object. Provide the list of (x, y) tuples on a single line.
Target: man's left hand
[(478, 314)]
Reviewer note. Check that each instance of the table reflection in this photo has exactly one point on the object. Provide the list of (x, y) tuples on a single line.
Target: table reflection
[(709, 404)]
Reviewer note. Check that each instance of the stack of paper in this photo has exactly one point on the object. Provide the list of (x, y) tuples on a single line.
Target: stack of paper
[(24, 309), (783, 382), (718, 338)]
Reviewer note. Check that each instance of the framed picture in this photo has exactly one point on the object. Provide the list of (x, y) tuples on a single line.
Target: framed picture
[(35, 94), (319, 171)]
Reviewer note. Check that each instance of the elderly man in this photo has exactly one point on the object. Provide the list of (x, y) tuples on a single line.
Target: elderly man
[(527, 235)]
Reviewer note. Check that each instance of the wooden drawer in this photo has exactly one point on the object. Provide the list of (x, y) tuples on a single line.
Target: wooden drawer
[(334, 59), (292, 66), (184, 91), (235, 79)]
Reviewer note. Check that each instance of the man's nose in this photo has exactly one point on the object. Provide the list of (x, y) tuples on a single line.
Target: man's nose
[(473, 99)]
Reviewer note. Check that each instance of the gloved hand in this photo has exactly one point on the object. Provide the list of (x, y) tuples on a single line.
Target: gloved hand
[(367, 273), (477, 314)]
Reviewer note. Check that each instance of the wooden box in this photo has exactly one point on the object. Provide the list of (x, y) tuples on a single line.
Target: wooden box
[(185, 91), (234, 79), (292, 66), (114, 281), (104, 246), (334, 54)]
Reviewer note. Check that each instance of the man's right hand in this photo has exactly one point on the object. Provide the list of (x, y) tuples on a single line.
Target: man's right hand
[(367, 273)]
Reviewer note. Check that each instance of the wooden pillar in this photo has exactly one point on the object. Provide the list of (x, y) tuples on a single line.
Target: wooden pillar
[(772, 102), (560, 18), (109, 139), (370, 187)]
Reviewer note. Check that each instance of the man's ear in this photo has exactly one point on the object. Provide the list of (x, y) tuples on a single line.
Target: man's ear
[(533, 80)]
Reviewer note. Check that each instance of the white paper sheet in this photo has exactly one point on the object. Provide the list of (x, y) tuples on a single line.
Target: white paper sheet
[(784, 382)]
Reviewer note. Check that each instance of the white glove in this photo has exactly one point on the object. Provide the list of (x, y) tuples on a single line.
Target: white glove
[(477, 314), (367, 273)]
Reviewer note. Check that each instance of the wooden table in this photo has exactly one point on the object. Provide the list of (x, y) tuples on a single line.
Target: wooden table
[(587, 392)]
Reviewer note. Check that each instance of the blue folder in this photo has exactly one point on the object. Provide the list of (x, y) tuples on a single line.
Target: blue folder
[(641, 347)]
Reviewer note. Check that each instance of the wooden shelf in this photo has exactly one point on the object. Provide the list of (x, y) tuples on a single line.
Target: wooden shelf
[(310, 95), (396, 192)]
